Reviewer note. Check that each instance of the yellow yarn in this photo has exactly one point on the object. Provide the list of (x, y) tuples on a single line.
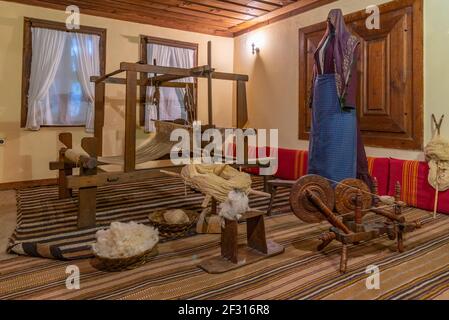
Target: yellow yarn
[(216, 180)]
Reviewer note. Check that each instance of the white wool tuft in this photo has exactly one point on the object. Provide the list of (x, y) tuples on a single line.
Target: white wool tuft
[(176, 216), (123, 240), (235, 205)]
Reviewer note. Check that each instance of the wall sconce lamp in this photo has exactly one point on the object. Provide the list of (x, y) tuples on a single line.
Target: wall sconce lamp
[(255, 50)]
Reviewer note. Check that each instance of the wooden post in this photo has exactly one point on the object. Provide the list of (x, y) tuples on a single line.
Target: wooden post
[(255, 233), (87, 196), (229, 241), (65, 171), (397, 198), (209, 84), (242, 109), (376, 192), (99, 115), (64, 192), (130, 121)]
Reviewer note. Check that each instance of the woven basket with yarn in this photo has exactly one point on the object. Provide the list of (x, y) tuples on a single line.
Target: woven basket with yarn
[(121, 264), (167, 230)]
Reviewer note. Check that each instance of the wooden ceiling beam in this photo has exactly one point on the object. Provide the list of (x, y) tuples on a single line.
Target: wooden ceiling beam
[(229, 6), (287, 11), (124, 15), (263, 5), (207, 9), (227, 18), (144, 8), (199, 11), (162, 9)]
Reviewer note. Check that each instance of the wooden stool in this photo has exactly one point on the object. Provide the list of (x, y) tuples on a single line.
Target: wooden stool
[(234, 256)]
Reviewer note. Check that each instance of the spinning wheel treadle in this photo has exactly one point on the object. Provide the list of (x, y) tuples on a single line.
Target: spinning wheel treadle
[(345, 193), (302, 207)]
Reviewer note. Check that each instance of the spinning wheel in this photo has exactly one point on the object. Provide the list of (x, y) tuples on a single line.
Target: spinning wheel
[(346, 192), (302, 207), (312, 200)]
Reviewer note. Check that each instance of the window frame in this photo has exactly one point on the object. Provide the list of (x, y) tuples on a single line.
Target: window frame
[(143, 58), (29, 23)]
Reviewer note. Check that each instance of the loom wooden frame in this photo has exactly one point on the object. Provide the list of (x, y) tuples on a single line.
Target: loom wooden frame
[(90, 178), (144, 42), (163, 78)]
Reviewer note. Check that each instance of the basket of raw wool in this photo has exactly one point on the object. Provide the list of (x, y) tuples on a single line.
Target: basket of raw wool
[(174, 223), (125, 246)]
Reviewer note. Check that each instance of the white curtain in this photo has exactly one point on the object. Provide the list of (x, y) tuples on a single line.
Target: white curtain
[(88, 58), (171, 104), (47, 49), (61, 93)]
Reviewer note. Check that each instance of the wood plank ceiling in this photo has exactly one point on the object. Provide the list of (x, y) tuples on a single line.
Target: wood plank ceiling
[(227, 18)]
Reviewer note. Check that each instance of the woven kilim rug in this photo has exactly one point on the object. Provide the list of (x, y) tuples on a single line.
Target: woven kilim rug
[(421, 272), (46, 226)]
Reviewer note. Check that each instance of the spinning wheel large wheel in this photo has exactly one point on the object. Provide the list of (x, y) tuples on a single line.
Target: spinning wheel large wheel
[(346, 192), (302, 207)]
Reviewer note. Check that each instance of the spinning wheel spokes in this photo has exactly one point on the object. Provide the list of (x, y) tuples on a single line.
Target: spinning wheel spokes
[(302, 207), (346, 192)]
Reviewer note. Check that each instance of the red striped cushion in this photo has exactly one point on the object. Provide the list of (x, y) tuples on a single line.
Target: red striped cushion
[(416, 190), (379, 168), (292, 164)]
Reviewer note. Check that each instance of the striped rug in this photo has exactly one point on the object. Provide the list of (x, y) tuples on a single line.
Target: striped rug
[(421, 272), (46, 226)]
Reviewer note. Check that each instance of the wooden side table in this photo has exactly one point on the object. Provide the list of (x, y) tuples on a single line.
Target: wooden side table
[(234, 255)]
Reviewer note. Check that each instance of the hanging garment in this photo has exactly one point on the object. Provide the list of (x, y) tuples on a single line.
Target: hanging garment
[(336, 148), (333, 136)]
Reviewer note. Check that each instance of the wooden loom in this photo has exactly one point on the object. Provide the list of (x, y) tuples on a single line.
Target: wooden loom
[(92, 174), (313, 200)]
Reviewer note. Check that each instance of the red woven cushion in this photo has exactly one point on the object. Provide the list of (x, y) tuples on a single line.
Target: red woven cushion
[(379, 168), (415, 189), (292, 164)]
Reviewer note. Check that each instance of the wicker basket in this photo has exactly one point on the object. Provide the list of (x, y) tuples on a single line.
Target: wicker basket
[(172, 230), (121, 264)]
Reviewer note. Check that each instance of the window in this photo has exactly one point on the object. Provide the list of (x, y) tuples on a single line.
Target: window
[(57, 66), (167, 53)]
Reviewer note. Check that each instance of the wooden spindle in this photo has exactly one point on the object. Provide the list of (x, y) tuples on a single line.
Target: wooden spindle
[(397, 198), (376, 199)]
